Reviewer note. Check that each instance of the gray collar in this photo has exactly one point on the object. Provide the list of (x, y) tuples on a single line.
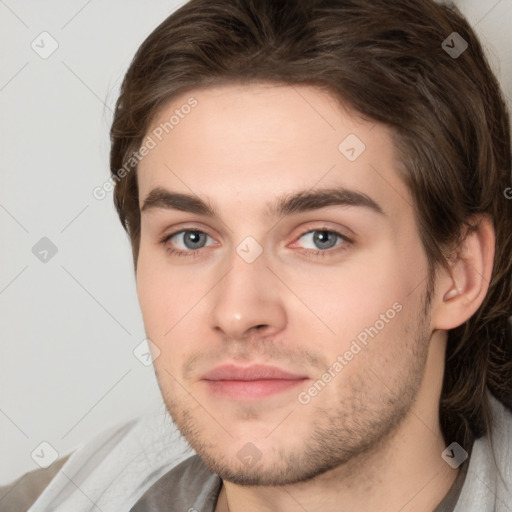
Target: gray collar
[(450, 500), (190, 486)]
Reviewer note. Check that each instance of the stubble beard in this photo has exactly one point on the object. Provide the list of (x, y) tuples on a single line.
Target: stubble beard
[(359, 424)]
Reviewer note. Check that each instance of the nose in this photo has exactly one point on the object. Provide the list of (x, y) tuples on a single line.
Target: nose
[(248, 300)]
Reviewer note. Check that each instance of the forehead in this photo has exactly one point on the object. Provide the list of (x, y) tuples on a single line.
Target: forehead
[(248, 143)]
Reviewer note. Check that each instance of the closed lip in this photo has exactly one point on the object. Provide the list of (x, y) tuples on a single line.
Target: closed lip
[(248, 373)]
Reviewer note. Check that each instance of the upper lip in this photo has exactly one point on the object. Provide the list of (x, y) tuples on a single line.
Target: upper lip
[(253, 372)]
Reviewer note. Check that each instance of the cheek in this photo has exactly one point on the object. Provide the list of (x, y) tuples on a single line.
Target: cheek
[(168, 299), (366, 304), (157, 292), (355, 293)]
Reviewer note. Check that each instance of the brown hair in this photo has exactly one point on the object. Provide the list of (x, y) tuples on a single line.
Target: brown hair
[(383, 58)]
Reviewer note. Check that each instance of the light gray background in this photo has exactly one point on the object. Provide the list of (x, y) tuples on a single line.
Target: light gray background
[(69, 326)]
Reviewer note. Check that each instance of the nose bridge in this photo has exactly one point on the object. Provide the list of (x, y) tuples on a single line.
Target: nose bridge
[(246, 296)]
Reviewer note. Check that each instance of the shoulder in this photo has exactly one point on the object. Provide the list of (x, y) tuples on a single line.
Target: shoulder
[(19, 495), (502, 438), (115, 467), (488, 484)]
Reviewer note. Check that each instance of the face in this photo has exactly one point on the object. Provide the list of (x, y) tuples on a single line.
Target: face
[(281, 278)]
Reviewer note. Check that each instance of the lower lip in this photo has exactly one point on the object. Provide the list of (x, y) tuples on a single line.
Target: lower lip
[(251, 389)]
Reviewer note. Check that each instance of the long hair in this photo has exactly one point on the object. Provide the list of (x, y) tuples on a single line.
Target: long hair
[(415, 66)]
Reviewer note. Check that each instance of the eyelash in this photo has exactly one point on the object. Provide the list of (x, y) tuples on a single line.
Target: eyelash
[(316, 253)]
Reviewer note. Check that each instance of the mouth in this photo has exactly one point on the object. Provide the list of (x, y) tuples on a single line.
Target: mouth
[(250, 382)]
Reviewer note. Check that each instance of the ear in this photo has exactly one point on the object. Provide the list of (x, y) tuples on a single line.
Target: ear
[(461, 289)]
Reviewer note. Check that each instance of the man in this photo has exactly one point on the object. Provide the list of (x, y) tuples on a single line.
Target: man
[(316, 197)]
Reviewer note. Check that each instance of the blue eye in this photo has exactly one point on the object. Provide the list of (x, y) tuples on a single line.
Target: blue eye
[(193, 240), (325, 242), (324, 239)]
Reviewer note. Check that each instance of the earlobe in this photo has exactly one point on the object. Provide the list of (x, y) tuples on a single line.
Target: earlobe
[(463, 286)]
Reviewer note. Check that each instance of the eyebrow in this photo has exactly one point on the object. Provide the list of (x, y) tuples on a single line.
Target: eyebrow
[(288, 204)]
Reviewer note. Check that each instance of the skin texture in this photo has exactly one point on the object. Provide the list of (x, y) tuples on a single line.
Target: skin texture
[(370, 438)]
